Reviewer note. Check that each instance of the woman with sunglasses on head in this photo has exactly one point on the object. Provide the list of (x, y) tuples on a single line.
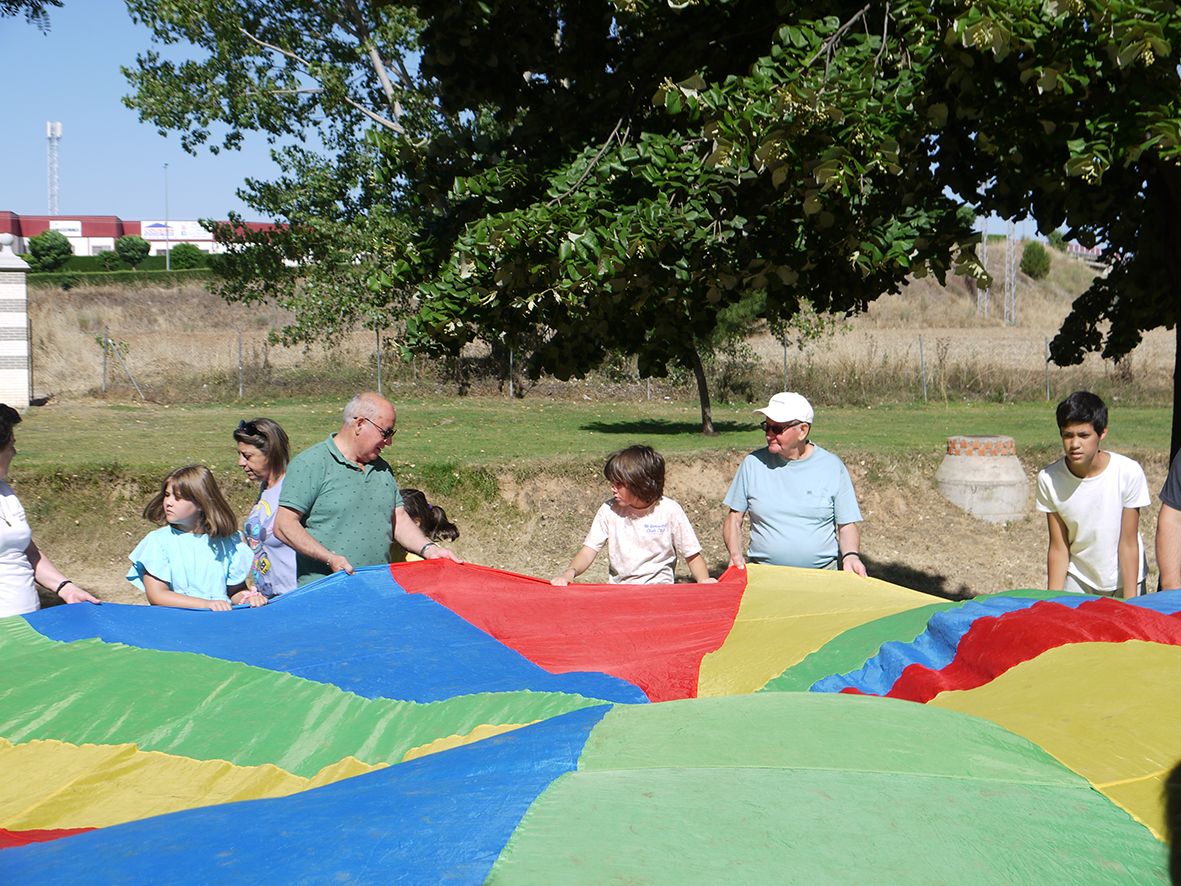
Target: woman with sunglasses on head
[(22, 565), (263, 453), (803, 510)]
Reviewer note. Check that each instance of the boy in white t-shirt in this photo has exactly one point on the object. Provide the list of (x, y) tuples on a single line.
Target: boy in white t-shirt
[(643, 530), (1092, 500)]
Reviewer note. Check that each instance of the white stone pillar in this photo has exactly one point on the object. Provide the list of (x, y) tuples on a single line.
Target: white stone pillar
[(16, 363)]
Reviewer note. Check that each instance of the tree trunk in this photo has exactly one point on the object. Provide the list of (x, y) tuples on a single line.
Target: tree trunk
[(707, 418)]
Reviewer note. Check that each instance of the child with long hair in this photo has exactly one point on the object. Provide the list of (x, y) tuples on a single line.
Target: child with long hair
[(431, 519), (197, 559), (642, 529)]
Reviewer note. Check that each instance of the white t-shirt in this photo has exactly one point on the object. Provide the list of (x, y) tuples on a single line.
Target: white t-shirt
[(18, 593), (1093, 509), (642, 546)]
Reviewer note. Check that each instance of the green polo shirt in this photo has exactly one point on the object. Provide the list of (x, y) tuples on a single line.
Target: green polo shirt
[(347, 508)]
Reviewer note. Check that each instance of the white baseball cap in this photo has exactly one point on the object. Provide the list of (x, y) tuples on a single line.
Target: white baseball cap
[(788, 406)]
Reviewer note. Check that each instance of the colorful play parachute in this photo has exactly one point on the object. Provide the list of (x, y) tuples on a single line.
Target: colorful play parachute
[(434, 722)]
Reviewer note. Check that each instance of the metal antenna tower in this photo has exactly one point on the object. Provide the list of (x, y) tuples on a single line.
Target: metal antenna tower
[(1011, 261), (53, 133)]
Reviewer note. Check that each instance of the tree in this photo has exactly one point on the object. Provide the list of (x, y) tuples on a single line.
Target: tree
[(49, 250), (527, 186), (1070, 111), (1035, 261), (779, 157), (185, 256), (36, 12), (1057, 240), (132, 250), (330, 78)]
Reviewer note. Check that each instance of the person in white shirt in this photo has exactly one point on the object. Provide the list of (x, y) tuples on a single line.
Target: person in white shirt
[(643, 530), (1092, 500), (22, 564)]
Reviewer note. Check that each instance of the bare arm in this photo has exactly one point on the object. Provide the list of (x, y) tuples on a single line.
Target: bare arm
[(732, 536), (295, 535), (1057, 554), (1168, 547), (49, 576), (848, 541), (160, 594), (698, 570), (580, 564), (1129, 553), (413, 539)]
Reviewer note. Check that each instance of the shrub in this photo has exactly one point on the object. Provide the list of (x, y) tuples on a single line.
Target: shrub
[(186, 256), (1035, 261), (132, 249), (49, 250), (1057, 240), (110, 261)]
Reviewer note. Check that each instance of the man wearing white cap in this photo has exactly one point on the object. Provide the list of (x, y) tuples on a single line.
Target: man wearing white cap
[(803, 510)]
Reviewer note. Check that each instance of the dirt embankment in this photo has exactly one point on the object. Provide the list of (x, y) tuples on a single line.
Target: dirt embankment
[(911, 535)]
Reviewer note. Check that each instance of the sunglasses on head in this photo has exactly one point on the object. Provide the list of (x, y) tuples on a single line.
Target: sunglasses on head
[(778, 429), (249, 427)]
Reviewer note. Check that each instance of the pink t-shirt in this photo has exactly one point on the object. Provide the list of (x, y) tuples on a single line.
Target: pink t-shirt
[(642, 545)]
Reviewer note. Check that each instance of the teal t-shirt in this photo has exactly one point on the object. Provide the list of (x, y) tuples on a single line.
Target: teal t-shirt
[(348, 508), (196, 565), (794, 506)]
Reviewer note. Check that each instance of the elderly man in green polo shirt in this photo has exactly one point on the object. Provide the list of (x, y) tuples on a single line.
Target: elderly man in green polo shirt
[(340, 503)]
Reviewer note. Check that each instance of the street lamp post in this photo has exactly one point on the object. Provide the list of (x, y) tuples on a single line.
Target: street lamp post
[(167, 226)]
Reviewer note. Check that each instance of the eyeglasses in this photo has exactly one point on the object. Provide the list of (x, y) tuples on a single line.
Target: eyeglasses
[(249, 427), (775, 429), (388, 433)]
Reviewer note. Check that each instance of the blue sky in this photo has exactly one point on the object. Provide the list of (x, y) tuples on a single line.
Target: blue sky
[(110, 163)]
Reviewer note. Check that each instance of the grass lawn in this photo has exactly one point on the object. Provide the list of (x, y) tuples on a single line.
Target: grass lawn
[(493, 431)]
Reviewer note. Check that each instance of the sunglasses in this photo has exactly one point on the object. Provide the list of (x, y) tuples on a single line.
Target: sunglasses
[(778, 429), (248, 427), (388, 433)]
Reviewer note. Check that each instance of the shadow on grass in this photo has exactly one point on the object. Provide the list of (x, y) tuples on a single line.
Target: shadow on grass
[(663, 426), (917, 580)]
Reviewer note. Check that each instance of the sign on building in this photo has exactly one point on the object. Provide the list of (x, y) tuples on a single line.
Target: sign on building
[(173, 230)]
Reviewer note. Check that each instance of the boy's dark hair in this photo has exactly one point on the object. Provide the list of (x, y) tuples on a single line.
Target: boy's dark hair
[(268, 437), (640, 469), (431, 519), (1173, 822), (1083, 408), (9, 419)]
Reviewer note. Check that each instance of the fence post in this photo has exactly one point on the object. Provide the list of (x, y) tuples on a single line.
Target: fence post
[(106, 338), (511, 392), (1046, 345), (923, 368), (241, 370), (785, 386), (378, 332)]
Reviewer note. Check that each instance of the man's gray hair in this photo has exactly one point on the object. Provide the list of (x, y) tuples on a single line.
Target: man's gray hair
[(361, 406)]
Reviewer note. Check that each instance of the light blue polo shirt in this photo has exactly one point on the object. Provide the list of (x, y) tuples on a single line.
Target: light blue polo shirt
[(347, 508), (794, 506)]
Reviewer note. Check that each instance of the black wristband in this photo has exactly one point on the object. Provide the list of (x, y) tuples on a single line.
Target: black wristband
[(62, 585), (850, 554), (422, 550)]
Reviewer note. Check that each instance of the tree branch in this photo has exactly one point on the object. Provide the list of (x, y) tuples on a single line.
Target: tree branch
[(828, 44), (377, 118), (365, 36), (589, 166)]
